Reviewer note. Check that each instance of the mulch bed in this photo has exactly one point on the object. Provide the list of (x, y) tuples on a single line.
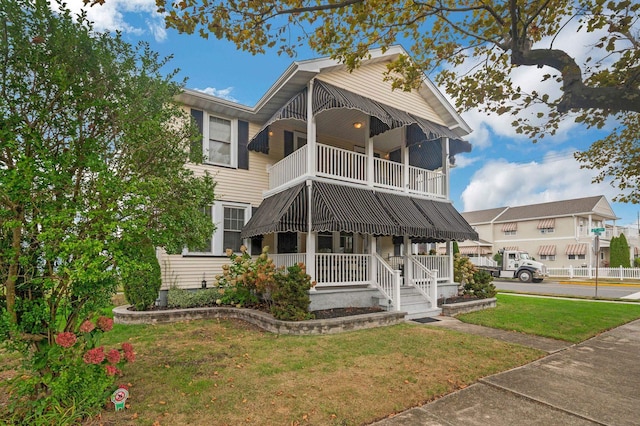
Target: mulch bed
[(345, 312)]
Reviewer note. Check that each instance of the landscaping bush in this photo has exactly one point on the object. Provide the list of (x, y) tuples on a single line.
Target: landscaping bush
[(463, 271), (290, 295), (77, 381), (481, 286), (141, 284), (180, 298)]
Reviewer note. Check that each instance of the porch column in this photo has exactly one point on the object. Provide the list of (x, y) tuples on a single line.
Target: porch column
[(368, 150), (445, 167), (310, 258), (373, 264), (590, 252), (450, 254), (311, 132), (404, 153), (408, 271)]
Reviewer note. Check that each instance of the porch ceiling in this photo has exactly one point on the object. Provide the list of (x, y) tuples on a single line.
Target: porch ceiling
[(360, 210)]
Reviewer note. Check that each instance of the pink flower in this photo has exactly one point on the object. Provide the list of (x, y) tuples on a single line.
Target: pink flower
[(87, 327), (111, 370), (128, 352), (94, 356), (104, 323), (66, 339), (113, 356)]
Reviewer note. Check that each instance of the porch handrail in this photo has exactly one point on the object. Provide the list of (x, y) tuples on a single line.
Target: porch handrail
[(424, 181), (388, 281), (348, 165), (425, 280), (289, 168), (437, 262), (287, 259)]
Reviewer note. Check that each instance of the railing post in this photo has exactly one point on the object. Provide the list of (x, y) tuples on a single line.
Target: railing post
[(621, 273), (434, 288), (570, 271), (396, 290)]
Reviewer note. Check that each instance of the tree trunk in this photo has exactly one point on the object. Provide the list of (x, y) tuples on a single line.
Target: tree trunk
[(14, 263)]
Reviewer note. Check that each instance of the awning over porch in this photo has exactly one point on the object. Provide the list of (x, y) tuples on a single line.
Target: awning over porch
[(383, 117), (341, 208)]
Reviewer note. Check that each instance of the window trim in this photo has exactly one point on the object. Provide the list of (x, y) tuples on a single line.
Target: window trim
[(510, 233), (217, 238), (233, 163)]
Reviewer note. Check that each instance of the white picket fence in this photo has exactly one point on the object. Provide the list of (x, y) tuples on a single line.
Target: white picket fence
[(615, 273)]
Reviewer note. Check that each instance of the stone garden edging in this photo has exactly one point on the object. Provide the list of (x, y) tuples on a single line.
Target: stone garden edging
[(453, 309), (122, 315)]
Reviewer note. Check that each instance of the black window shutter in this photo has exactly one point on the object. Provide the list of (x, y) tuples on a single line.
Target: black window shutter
[(395, 156), (243, 141), (288, 143), (196, 154)]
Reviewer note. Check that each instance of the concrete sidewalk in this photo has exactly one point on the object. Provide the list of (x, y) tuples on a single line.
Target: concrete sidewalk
[(596, 382)]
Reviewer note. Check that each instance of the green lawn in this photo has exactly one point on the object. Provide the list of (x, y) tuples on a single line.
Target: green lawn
[(563, 319), (228, 373)]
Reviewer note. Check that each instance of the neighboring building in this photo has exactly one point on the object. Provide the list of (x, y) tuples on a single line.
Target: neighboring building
[(337, 170), (559, 233)]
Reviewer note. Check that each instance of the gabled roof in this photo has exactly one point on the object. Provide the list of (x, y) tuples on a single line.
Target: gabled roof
[(596, 205), (483, 216), (295, 79)]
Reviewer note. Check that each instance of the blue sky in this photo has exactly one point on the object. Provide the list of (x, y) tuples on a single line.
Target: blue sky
[(503, 169)]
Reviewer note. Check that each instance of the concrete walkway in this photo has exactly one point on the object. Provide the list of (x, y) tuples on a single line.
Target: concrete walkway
[(596, 382)]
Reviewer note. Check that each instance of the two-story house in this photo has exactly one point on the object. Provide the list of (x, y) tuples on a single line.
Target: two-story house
[(559, 233), (334, 169)]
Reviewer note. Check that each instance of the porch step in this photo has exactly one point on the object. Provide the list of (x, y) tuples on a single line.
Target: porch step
[(413, 303)]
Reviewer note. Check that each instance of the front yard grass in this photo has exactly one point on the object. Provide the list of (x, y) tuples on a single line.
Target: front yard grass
[(220, 372), (563, 319)]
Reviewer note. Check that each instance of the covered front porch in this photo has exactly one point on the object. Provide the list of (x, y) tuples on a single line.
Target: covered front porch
[(359, 241)]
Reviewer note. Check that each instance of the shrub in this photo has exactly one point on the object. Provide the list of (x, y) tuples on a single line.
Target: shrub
[(78, 378), (290, 295), (463, 271), (482, 285), (636, 262), (180, 298), (141, 284)]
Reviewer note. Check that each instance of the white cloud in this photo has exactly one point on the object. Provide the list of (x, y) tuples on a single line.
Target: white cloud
[(220, 93), (117, 15), (557, 177)]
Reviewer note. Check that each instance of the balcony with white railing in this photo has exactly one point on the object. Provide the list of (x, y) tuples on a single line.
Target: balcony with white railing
[(349, 166)]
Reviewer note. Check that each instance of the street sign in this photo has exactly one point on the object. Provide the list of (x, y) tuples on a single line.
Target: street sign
[(597, 230)]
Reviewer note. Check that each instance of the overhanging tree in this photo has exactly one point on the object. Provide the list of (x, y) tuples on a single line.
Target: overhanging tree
[(447, 35), (92, 162)]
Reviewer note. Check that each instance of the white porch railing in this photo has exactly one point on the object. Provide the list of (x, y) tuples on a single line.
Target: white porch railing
[(336, 269), (425, 280), (388, 282), (615, 273), (350, 166), (437, 263), (288, 259), (289, 168)]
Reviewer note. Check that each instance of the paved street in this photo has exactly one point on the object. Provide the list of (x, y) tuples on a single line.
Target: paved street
[(572, 288)]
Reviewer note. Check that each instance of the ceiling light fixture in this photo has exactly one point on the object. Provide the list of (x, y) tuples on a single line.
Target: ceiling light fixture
[(357, 125)]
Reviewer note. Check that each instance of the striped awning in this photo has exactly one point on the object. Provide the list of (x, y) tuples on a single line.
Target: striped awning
[(285, 211), (483, 251), (383, 117), (341, 208), (576, 249), (548, 250), (446, 219), (546, 223), (512, 248), (349, 209), (508, 227)]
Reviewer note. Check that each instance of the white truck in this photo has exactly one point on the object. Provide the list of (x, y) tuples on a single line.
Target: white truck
[(515, 264)]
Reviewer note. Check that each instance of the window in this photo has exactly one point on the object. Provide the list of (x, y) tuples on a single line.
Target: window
[(547, 230), (325, 242), (233, 223), (229, 219), (547, 257), (577, 256), (219, 141), (346, 242), (510, 232)]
